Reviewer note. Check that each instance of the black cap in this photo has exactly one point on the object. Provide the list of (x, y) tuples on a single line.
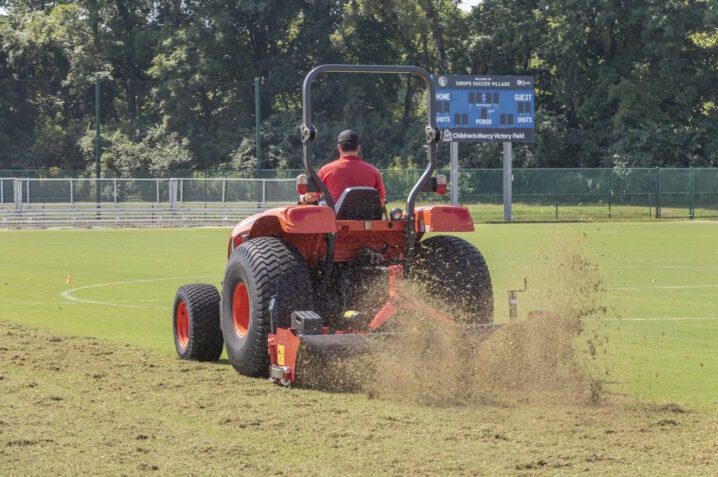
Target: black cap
[(348, 140)]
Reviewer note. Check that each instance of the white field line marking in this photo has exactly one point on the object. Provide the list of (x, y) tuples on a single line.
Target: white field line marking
[(667, 287), (67, 294), (628, 265), (667, 318)]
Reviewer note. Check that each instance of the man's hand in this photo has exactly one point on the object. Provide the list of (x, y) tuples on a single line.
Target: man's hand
[(309, 198)]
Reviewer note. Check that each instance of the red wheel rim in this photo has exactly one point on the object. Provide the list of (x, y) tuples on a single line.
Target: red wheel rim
[(240, 309), (182, 323)]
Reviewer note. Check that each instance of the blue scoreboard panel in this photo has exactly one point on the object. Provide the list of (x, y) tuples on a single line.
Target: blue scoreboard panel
[(485, 108)]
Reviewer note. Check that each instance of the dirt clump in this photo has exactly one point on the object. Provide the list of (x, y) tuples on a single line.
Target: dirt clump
[(519, 361), (547, 357)]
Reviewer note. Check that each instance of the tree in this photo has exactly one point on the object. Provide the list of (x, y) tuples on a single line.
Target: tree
[(633, 80)]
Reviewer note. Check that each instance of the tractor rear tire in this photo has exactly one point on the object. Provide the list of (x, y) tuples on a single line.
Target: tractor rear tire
[(455, 273), (196, 323), (257, 271)]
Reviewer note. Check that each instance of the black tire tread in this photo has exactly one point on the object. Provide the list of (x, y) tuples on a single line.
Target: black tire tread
[(455, 272), (279, 269), (205, 335)]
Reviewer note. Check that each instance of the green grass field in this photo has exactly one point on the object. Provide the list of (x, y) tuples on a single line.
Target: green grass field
[(661, 281), (121, 402)]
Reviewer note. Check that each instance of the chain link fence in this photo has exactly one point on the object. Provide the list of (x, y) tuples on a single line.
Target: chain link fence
[(586, 194), (172, 198)]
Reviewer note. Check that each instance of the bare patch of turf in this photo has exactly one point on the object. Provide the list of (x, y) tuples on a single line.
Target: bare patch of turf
[(125, 410)]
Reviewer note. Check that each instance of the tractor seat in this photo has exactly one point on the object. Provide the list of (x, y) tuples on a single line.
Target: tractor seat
[(359, 203)]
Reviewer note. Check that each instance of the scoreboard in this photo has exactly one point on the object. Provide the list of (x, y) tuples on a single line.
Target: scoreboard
[(485, 108)]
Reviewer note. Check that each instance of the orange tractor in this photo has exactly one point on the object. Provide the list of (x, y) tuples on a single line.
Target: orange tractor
[(296, 276)]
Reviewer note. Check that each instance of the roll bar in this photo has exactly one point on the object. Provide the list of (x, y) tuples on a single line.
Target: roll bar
[(433, 135)]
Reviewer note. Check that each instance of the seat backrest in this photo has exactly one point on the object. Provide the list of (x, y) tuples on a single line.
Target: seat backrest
[(359, 203)]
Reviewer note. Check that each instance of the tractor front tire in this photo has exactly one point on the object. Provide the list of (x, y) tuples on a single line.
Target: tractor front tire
[(196, 323), (455, 273), (257, 271)]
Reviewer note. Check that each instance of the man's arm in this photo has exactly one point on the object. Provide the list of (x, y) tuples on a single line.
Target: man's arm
[(309, 198), (313, 197)]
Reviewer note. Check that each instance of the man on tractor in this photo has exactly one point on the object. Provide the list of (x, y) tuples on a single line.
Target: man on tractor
[(347, 171), (303, 277)]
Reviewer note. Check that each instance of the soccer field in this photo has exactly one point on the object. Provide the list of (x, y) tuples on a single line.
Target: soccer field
[(660, 283), (116, 400)]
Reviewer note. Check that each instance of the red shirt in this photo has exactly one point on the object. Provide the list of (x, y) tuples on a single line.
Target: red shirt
[(350, 171)]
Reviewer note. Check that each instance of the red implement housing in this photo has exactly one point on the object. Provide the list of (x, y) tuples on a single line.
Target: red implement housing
[(284, 345)]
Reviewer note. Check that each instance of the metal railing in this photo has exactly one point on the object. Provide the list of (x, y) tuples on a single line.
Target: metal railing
[(137, 202)]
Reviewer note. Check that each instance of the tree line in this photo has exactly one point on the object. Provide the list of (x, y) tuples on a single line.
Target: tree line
[(619, 83)]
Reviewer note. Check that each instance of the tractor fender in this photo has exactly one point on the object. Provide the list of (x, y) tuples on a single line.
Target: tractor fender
[(443, 218), (283, 221)]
